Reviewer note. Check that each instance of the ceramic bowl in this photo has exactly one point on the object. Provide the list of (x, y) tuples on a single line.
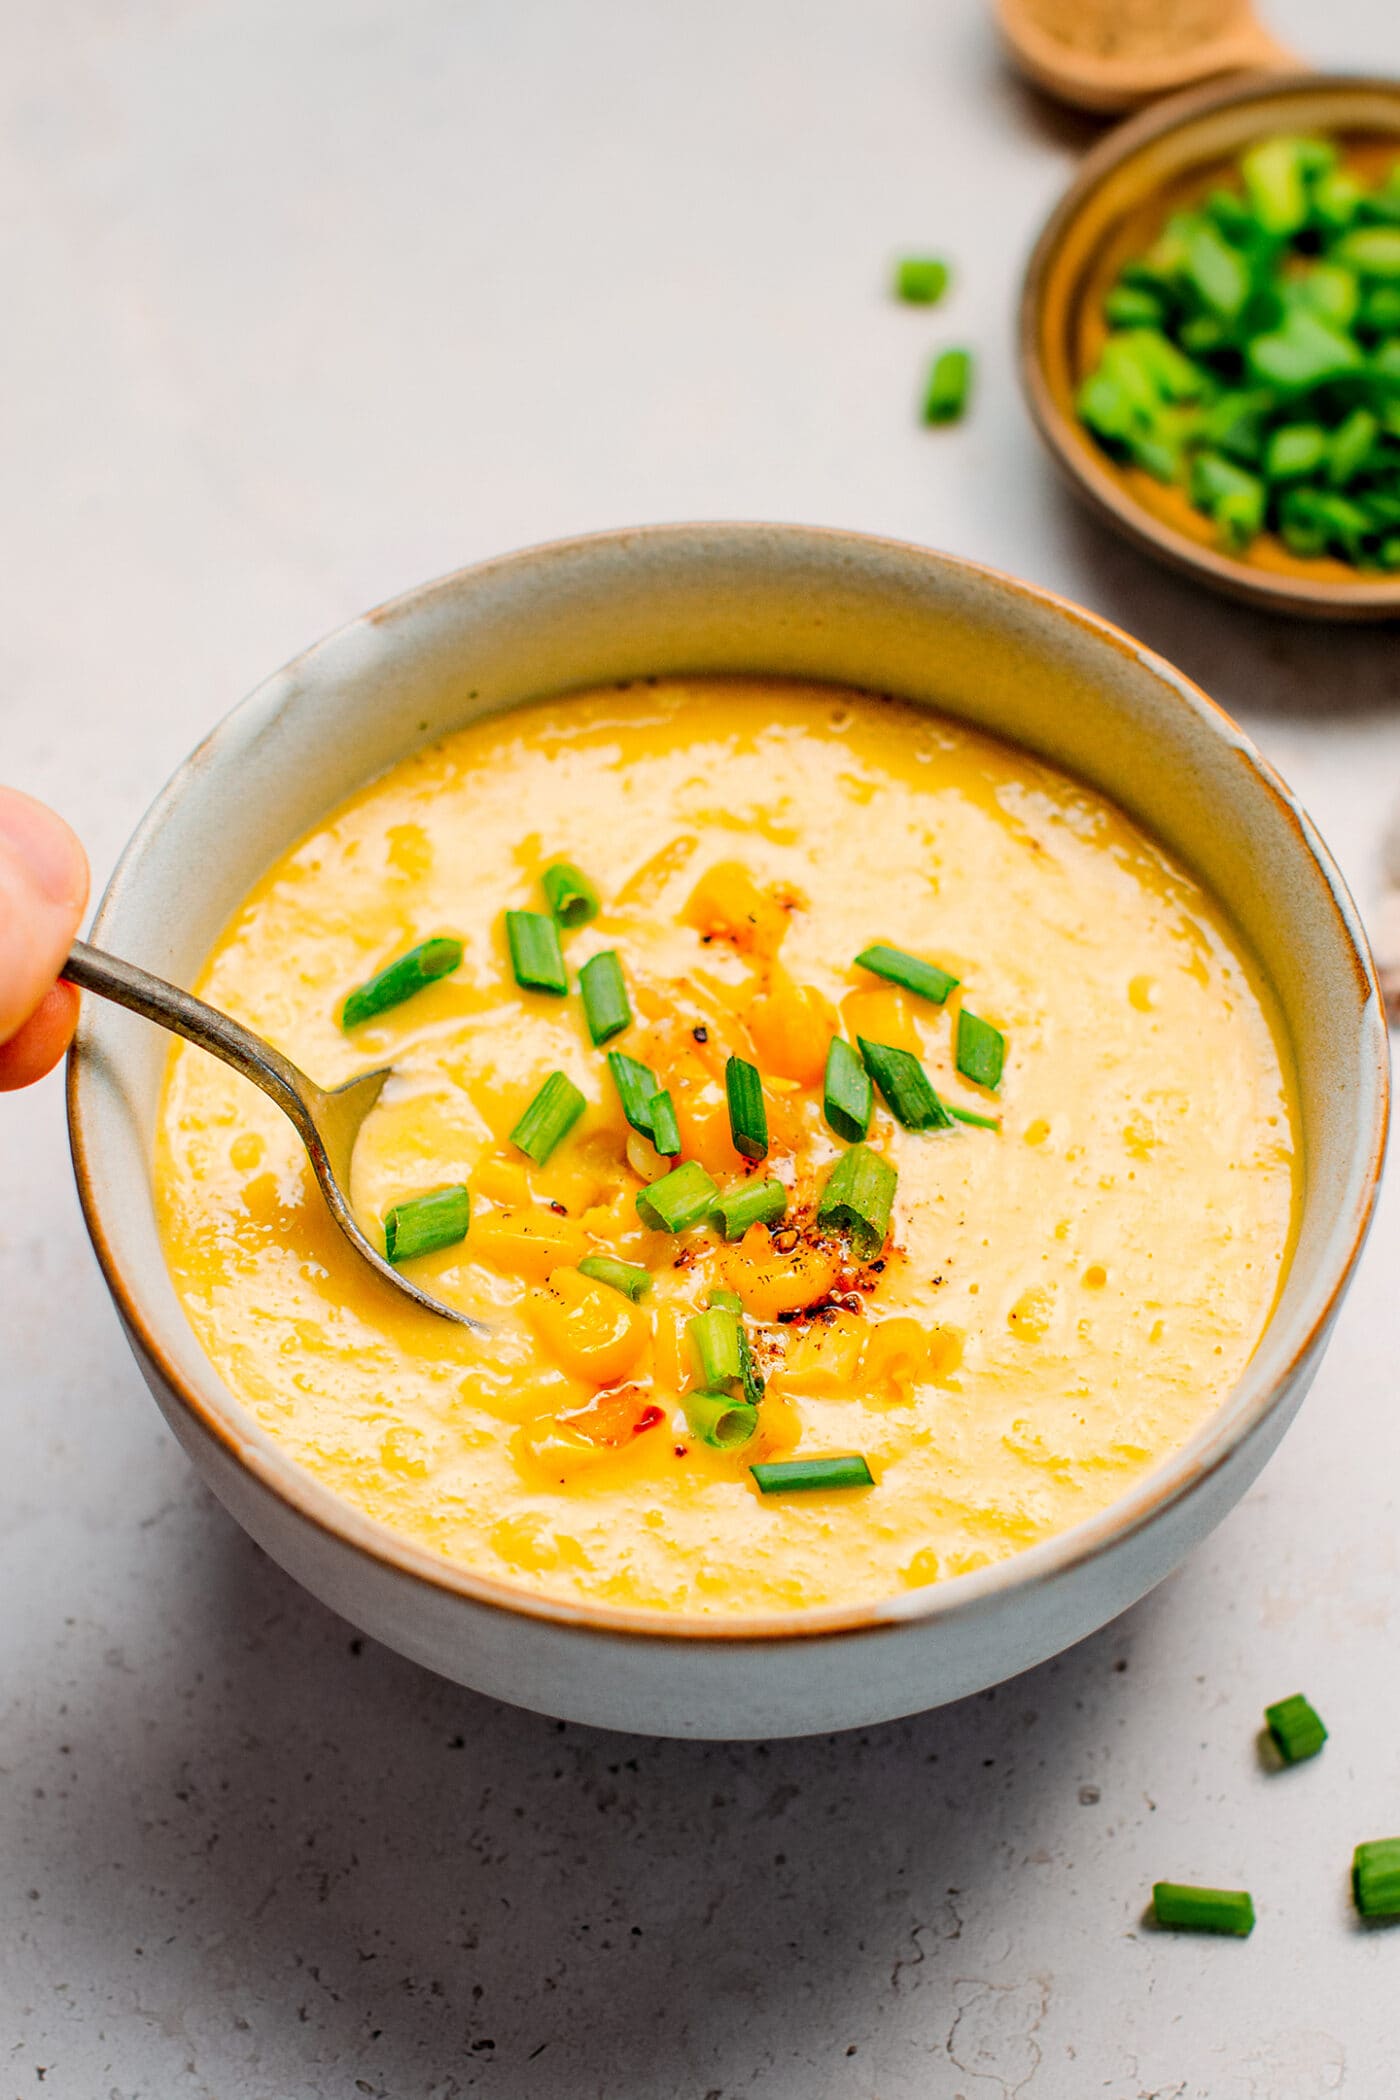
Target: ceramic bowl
[(1163, 161), (779, 600)]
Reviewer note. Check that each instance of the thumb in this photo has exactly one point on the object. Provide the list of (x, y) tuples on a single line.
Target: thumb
[(43, 889)]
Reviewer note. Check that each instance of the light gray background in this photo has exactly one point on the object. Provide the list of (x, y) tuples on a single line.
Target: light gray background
[(304, 303)]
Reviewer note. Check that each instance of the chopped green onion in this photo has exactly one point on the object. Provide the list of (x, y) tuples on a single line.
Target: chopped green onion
[(1274, 183), (791, 1476), (858, 1197), (911, 972), (1131, 306), (625, 1276), (848, 1098), (905, 1086), (1217, 272), (719, 1420), (921, 280), (981, 1051), (549, 1118), (1187, 1909), (728, 1301), (1294, 451), (665, 1130), (754, 1203), (535, 954), (714, 1343), (421, 966), (949, 383), (1297, 1730), (571, 896), (1352, 446), (1304, 352), (965, 1115), (1372, 251), (426, 1223), (679, 1200), (1375, 1878), (604, 991), (748, 1118), (636, 1089)]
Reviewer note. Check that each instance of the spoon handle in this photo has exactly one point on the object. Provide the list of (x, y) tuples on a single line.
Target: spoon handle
[(94, 971)]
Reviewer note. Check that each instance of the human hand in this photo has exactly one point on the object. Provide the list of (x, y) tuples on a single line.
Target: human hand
[(43, 891)]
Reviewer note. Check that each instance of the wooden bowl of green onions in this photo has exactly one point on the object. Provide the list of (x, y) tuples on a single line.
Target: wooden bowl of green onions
[(1210, 339)]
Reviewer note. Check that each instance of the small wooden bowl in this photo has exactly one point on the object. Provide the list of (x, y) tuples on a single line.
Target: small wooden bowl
[(1162, 161)]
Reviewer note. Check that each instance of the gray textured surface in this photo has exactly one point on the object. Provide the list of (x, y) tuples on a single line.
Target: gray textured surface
[(305, 304)]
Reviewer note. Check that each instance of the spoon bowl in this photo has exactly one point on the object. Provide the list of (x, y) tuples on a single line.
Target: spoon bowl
[(327, 1120), (1126, 67)]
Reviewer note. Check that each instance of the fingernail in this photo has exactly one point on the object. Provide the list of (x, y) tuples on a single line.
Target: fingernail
[(49, 857)]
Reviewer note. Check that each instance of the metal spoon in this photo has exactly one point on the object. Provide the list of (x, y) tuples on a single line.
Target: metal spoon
[(327, 1121)]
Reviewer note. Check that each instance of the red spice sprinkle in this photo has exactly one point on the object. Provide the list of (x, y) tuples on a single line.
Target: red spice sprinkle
[(682, 1451), (701, 1034), (561, 1210), (648, 1419)]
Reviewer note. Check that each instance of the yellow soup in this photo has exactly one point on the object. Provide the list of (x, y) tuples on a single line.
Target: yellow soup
[(1066, 1288)]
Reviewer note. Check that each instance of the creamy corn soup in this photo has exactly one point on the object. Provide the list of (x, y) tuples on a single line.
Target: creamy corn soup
[(930, 1179)]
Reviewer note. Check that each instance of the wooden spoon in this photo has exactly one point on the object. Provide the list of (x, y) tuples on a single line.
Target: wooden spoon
[(1118, 54)]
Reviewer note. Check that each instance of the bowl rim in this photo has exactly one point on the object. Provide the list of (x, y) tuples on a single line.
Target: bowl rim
[(1238, 1415), (1088, 471)]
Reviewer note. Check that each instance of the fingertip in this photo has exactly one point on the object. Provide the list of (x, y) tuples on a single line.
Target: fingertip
[(48, 851), (40, 1043)]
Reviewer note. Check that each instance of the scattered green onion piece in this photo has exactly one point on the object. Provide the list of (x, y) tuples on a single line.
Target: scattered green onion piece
[(981, 1050), (921, 280), (910, 972), (748, 1369), (714, 1344), (848, 1098), (719, 1420), (905, 1086), (665, 1130), (1297, 1730), (604, 992), (858, 1197), (754, 1203), (679, 1200), (791, 1476), (535, 954), (965, 1115), (628, 1277), (390, 986), (636, 1089), (748, 1118), (1188, 1909), (549, 1118), (1375, 1878), (571, 896), (728, 1301), (949, 383), (425, 1223)]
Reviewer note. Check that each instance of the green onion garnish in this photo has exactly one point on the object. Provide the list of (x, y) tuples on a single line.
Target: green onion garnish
[(791, 1476), (572, 897), (967, 1115), (719, 1420), (636, 1089), (421, 966), (426, 1223), (755, 1203), (905, 1085), (625, 1276), (665, 1131), (909, 971), (679, 1200), (535, 954), (920, 280), (549, 1118), (714, 1344), (858, 1198), (1375, 1878), (981, 1050), (605, 1004), (1189, 1909), (748, 1118), (848, 1096), (730, 1301), (1296, 1728), (949, 383)]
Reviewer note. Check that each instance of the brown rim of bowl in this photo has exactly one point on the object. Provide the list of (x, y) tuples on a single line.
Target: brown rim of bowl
[(1090, 472), (1197, 1460)]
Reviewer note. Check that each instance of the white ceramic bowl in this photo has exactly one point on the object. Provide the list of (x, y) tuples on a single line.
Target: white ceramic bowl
[(770, 599)]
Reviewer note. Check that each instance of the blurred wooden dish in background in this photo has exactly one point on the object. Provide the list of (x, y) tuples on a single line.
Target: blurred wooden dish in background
[(1117, 54)]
